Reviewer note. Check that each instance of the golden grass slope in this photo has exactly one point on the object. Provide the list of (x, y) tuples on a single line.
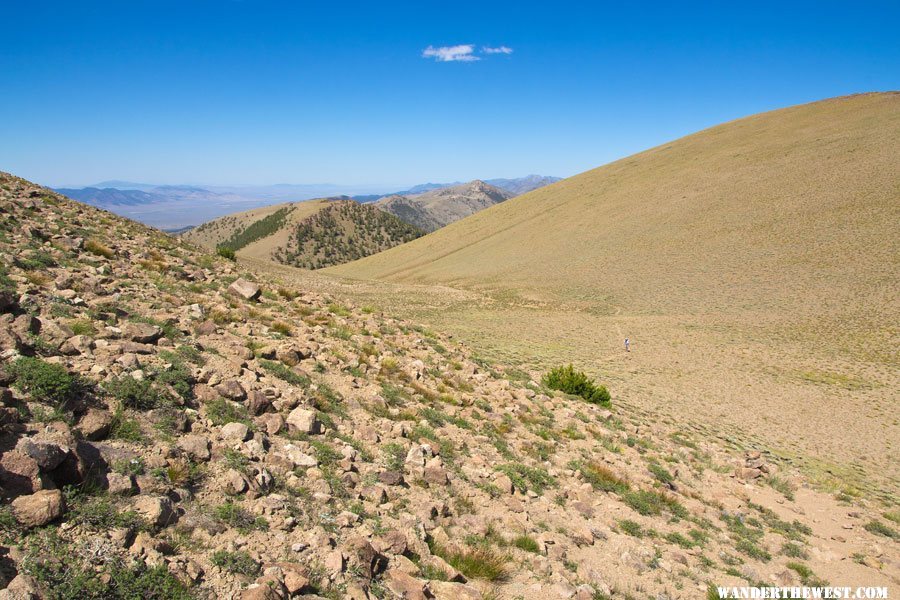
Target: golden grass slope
[(794, 210), (754, 266)]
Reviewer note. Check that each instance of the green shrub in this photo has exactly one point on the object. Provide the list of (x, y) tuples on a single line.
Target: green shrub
[(221, 411), (226, 252), (751, 549), (98, 512), (527, 543), (432, 573), (178, 376), (238, 562), (781, 485), (282, 328), (526, 478), (134, 466), (10, 529), (283, 372), (793, 550), (679, 539), (236, 460), (83, 327), (139, 394), (394, 456), (650, 503), (577, 383), (234, 516), (631, 528), (60, 569), (125, 428), (879, 528), (39, 260), (661, 473), (45, 381), (712, 592), (6, 284)]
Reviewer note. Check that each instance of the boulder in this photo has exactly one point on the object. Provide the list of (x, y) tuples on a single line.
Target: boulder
[(288, 356), (304, 420), (19, 474), (118, 484), (235, 482), (435, 473), (363, 557), (156, 510), (236, 431), (38, 509), (142, 333), (406, 586), (504, 483), (391, 478), (95, 424), (231, 389), (48, 455), (196, 446), (448, 590), (245, 289), (258, 402), (77, 344)]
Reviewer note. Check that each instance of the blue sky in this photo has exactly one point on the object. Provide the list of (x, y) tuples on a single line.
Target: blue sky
[(265, 91)]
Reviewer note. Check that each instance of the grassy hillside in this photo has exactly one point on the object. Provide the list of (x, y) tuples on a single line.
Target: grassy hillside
[(753, 264), (794, 210), (309, 235), (794, 194)]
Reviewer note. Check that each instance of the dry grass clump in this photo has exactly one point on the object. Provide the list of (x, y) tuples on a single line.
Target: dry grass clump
[(478, 562), (97, 248)]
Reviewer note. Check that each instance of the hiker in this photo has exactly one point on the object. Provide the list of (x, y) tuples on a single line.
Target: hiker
[(627, 345)]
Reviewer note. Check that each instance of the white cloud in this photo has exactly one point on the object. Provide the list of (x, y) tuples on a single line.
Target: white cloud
[(460, 52), (497, 50)]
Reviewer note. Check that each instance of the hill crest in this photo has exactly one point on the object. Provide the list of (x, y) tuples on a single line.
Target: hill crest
[(310, 235)]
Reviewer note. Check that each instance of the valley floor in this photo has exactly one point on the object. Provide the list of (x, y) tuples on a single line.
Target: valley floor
[(749, 380)]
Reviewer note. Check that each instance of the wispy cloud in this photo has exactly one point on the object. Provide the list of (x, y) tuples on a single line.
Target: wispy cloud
[(460, 52)]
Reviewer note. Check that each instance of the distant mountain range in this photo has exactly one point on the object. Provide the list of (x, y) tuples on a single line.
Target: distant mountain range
[(177, 206)]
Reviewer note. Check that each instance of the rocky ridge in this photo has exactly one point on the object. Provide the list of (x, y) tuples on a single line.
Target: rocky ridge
[(172, 428), (437, 208)]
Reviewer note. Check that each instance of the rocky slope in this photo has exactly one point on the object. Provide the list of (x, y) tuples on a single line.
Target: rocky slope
[(309, 235), (173, 429), (434, 209)]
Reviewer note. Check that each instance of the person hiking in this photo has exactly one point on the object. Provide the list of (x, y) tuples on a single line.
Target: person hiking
[(627, 345)]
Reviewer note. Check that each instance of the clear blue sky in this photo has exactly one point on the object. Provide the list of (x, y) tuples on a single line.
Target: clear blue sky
[(265, 91)]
